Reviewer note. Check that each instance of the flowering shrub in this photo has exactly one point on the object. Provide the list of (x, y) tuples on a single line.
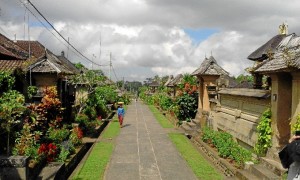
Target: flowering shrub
[(49, 151), (76, 136), (187, 101)]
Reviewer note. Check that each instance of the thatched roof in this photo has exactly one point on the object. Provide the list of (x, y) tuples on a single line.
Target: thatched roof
[(169, 80), (262, 52), (175, 81), (154, 84), (209, 67), (227, 81), (245, 84), (285, 58)]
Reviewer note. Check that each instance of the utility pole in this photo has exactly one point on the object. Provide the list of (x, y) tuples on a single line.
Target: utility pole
[(100, 47), (123, 86), (68, 48), (110, 65), (29, 50)]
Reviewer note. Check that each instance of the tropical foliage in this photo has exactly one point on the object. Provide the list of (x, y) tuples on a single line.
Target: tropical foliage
[(264, 130), (11, 106), (226, 146), (183, 105)]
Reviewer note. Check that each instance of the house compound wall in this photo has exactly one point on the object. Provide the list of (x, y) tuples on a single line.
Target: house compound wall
[(238, 113)]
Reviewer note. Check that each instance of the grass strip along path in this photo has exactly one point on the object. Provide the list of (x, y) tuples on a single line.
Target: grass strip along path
[(162, 120), (199, 165), (95, 164)]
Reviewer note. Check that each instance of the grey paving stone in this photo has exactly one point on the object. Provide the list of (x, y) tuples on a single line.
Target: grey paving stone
[(143, 150), (123, 171)]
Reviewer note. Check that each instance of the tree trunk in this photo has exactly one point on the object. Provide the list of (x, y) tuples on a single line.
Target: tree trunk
[(7, 152)]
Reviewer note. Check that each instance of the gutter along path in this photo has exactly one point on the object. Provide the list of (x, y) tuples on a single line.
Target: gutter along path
[(144, 151)]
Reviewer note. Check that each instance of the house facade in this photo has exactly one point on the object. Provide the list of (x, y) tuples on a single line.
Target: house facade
[(282, 65), (34, 65), (238, 110)]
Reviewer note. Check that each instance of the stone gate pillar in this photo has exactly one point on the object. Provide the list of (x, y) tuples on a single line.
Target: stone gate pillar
[(281, 103)]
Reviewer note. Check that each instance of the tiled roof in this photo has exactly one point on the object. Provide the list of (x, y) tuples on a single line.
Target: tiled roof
[(10, 65), (36, 48), (14, 55), (50, 64), (209, 67), (68, 63), (5, 54), (11, 55), (9, 48)]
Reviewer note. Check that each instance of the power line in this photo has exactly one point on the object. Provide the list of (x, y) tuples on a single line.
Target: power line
[(48, 29), (61, 35)]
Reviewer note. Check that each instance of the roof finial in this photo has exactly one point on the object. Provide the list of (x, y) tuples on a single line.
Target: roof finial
[(205, 55), (211, 53), (283, 29)]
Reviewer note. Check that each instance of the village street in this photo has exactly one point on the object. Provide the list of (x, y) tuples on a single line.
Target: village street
[(144, 151)]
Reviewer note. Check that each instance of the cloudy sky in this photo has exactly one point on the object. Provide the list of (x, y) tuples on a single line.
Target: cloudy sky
[(152, 37)]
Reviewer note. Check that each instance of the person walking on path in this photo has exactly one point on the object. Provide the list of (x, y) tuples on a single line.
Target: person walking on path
[(121, 113)]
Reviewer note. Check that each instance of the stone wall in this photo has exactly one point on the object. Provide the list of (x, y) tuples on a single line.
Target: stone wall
[(14, 167), (238, 112)]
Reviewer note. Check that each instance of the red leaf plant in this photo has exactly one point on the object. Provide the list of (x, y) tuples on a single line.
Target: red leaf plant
[(49, 151)]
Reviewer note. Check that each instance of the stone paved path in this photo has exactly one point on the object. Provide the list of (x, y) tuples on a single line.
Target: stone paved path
[(144, 151)]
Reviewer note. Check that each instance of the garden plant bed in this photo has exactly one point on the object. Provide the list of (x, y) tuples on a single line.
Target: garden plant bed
[(68, 167), (12, 166), (226, 167)]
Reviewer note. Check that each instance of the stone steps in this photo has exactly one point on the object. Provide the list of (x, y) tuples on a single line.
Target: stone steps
[(258, 171), (186, 128), (243, 174), (273, 165), (192, 124), (262, 172)]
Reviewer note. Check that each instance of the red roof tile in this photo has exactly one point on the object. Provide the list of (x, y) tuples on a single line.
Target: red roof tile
[(8, 47), (10, 65), (36, 48)]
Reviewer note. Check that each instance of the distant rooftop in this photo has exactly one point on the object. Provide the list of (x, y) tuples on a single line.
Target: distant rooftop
[(209, 67)]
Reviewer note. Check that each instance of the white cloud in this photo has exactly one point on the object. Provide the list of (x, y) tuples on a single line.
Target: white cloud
[(146, 37)]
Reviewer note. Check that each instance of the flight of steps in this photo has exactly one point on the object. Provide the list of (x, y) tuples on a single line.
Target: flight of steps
[(191, 128), (265, 170)]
